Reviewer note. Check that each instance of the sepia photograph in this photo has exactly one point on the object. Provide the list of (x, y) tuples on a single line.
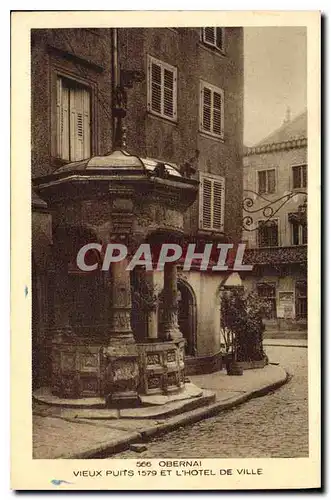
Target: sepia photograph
[(169, 248)]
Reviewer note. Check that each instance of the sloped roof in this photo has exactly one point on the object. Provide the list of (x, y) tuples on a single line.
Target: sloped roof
[(119, 159), (294, 129)]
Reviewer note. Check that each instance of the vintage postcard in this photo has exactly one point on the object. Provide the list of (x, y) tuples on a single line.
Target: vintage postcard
[(165, 250)]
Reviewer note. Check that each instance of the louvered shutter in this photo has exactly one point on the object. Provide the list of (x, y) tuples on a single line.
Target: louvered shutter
[(156, 88), (162, 89), (168, 92), (62, 112), (212, 200), (220, 38), (218, 204), (209, 35), (217, 113), (86, 123), (206, 108), (206, 216), (79, 124)]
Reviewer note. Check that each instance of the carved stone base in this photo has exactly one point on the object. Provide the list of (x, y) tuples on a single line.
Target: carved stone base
[(121, 375), (161, 367)]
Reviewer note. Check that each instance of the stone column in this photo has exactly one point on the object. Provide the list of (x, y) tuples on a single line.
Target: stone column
[(170, 305), (121, 373), (152, 317)]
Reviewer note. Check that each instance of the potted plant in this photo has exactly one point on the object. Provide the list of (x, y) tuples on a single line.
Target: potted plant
[(242, 321)]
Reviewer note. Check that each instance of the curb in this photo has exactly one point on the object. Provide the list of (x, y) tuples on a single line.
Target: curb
[(177, 421), (305, 346)]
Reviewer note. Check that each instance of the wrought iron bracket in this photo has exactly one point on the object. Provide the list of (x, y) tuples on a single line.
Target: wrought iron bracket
[(268, 210)]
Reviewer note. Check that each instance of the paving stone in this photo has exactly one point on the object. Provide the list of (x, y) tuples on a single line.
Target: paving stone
[(169, 408), (55, 437), (190, 391), (274, 426), (138, 448)]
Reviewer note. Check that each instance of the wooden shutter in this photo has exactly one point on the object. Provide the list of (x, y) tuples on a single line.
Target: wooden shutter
[(206, 215), (218, 204), (212, 200), (271, 181), (296, 177), (262, 181), (304, 176), (217, 113), (209, 36), (86, 123), (62, 112), (211, 109), (206, 108), (162, 89), (220, 38), (156, 87), (79, 124), (168, 92)]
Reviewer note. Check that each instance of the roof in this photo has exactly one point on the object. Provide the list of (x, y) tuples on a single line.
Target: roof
[(120, 160), (294, 129)]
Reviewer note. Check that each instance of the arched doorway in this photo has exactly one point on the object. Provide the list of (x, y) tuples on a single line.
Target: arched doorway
[(187, 316)]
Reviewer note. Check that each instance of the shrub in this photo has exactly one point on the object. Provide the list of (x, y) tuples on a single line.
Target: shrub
[(242, 322)]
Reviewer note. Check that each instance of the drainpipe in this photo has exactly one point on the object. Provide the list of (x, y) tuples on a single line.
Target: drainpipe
[(115, 79), (119, 97)]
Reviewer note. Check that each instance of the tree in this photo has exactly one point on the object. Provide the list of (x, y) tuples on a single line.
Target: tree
[(242, 324)]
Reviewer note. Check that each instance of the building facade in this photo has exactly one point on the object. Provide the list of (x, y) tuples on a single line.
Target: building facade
[(275, 219), (182, 93)]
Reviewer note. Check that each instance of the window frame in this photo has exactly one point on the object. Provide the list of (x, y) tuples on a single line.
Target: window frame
[(273, 298), (299, 165), (214, 46), (213, 178), (91, 85), (276, 219), (169, 67), (213, 89), (300, 234), (301, 299), (258, 180)]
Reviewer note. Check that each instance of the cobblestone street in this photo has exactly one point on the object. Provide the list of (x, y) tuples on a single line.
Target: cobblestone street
[(275, 425)]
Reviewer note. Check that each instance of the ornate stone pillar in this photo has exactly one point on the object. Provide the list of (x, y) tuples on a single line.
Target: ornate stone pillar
[(170, 305), (152, 316), (121, 372)]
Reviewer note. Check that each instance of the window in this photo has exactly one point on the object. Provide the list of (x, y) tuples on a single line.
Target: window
[(73, 117), (211, 202), (162, 89), (266, 181), (268, 233), (299, 233), (215, 37), (267, 291), (299, 173), (211, 110), (301, 300)]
